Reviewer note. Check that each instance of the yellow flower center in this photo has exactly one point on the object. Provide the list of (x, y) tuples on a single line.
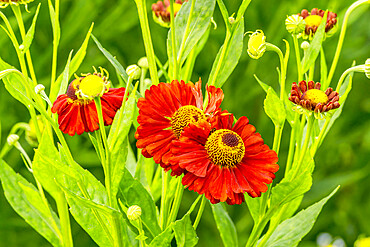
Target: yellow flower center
[(315, 96), (225, 148), (184, 116), (176, 8), (92, 86), (313, 20)]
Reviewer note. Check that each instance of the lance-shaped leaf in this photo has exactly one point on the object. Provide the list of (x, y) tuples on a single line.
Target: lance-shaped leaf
[(225, 226), (291, 231), (190, 27), (163, 240), (184, 232), (27, 202), (274, 108), (227, 57)]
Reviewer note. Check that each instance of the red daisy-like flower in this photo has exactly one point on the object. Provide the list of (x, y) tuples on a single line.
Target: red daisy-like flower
[(165, 111), (313, 20), (309, 96), (224, 161), (77, 112)]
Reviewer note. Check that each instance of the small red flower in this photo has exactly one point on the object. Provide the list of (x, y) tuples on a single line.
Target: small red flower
[(309, 96), (77, 114), (313, 20), (224, 161), (165, 111), (161, 11)]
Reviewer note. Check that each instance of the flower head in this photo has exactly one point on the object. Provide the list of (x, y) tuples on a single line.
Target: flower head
[(295, 24), (133, 212), (5, 3), (76, 109), (313, 20), (161, 11), (362, 242), (223, 161), (309, 96), (164, 113), (256, 44)]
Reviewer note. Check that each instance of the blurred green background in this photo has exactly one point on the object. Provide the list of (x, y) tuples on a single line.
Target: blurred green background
[(344, 157)]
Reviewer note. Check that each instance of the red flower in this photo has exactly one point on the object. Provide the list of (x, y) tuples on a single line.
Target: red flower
[(223, 162), (313, 20), (161, 11), (309, 96), (165, 111), (78, 115)]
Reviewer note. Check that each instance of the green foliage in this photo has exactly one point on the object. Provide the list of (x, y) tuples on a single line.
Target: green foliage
[(274, 108), (225, 225), (184, 232)]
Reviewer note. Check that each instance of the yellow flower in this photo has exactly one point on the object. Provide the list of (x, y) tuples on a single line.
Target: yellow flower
[(5, 3)]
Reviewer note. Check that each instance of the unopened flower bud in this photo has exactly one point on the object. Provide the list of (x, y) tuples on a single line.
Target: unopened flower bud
[(231, 20), (39, 88), (305, 45), (256, 44), (12, 139), (143, 63), (133, 71), (367, 68), (295, 24), (21, 47), (134, 212), (31, 136)]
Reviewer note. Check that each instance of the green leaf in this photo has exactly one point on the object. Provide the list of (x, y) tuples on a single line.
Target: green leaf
[(227, 57), (119, 68), (323, 69), (225, 226), (274, 108), (65, 78), (30, 33), (27, 202), (73, 66), (13, 83), (51, 170), (313, 51), (118, 164), (264, 86), (54, 22), (291, 231), (132, 192), (162, 240), (184, 232), (190, 31), (287, 190), (254, 206)]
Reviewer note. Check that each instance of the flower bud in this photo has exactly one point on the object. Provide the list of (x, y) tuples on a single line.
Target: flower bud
[(12, 139), (367, 68), (133, 71), (231, 20), (305, 45), (143, 63), (39, 88), (134, 212), (295, 24), (256, 44)]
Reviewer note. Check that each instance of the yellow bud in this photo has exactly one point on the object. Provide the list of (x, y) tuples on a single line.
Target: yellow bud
[(256, 44), (134, 212), (12, 139), (133, 71), (295, 24)]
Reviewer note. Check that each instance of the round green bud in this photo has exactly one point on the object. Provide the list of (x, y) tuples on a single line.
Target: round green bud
[(134, 212), (133, 71)]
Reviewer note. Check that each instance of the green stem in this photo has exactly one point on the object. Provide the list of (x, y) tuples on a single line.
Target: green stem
[(321, 136), (291, 145), (163, 211), (200, 212), (117, 231), (358, 68), (271, 47), (175, 65), (176, 204), (64, 220), (341, 37), (108, 175), (310, 123), (55, 45), (311, 72), (298, 58), (141, 232), (143, 17)]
